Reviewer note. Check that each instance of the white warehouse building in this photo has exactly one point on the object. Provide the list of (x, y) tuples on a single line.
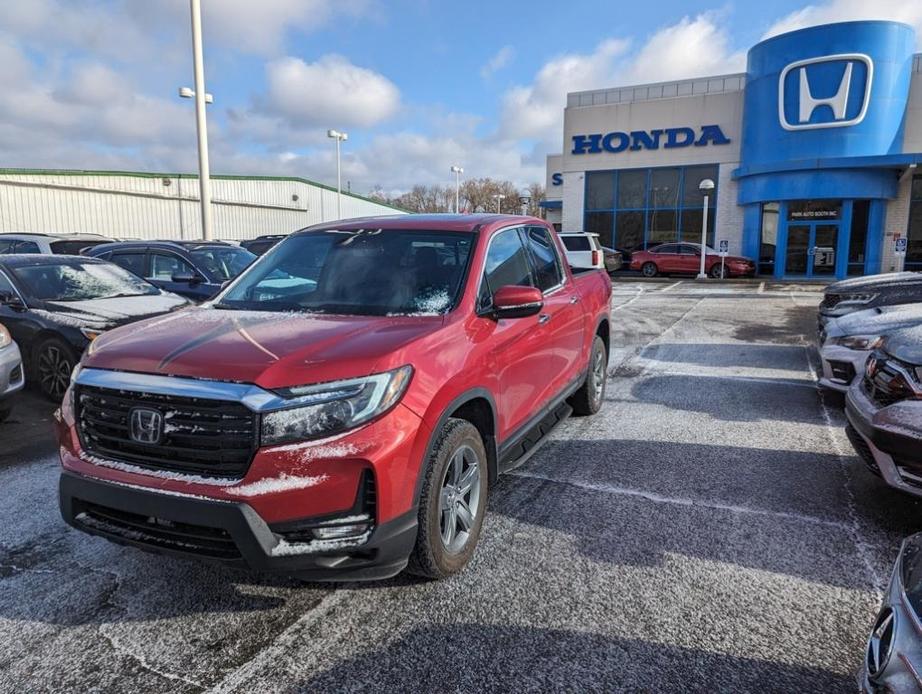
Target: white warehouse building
[(126, 204)]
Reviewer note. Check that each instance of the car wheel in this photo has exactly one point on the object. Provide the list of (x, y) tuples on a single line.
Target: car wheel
[(717, 272), (54, 364), (649, 270), (589, 398), (452, 503)]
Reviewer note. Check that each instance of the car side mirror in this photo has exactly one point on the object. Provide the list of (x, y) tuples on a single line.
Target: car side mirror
[(11, 300), (514, 301), (184, 278)]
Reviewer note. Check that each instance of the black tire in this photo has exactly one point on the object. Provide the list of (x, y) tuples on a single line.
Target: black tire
[(717, 272), (431, 557), (649, 270), (590, 396), (54, 362)]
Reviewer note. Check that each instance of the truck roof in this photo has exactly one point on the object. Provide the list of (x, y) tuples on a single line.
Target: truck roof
[(427, 222)]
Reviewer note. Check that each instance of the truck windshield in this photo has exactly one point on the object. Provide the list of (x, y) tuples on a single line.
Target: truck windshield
[(77, 280), (369, 272)]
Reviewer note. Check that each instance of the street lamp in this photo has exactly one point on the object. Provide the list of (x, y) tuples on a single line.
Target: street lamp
[(339, 137), (524, 199), (457, 171), (499, 197), (706, 186), (201, 126)]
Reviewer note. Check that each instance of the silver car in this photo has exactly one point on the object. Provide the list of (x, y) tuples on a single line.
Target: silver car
[(893, 659), (12, 377), (846, 342)]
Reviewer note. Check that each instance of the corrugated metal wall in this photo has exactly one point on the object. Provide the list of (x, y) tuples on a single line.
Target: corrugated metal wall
[(152, 206)]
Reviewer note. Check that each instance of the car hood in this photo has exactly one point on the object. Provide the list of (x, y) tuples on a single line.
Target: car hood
[(876, 321), (104, 314), (272, 350), (906, 345), (875, 282)]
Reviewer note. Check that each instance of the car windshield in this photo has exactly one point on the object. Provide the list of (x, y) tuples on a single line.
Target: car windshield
[(369, 272), (79, 281), (223, 263)]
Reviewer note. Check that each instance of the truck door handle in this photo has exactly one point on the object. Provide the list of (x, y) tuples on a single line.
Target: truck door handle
[(544, 318), (574, 299)]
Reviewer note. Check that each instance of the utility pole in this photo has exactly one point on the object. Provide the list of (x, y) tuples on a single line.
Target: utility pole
[(201, 126)]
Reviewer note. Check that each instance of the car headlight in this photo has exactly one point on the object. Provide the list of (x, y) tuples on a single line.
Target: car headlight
[(91, 333), (327, 408), (5, 338), (857, 298), (859, 342)]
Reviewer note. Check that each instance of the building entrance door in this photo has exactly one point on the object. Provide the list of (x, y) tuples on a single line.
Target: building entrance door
[(811, 249)]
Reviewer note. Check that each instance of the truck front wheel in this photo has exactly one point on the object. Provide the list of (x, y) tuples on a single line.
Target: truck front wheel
[(588, 399), (452, 503)]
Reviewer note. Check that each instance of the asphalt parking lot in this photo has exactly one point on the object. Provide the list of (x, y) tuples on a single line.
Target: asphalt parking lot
[(709, 530)]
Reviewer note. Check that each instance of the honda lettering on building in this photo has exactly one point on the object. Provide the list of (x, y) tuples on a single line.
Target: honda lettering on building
[(670, 138), (827, 92)]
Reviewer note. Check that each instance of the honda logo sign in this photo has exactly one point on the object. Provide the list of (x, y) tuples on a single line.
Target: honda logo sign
[(827, 92), (145, 426)]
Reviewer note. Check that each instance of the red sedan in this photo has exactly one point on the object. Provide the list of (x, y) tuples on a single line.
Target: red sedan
[(685, 259)]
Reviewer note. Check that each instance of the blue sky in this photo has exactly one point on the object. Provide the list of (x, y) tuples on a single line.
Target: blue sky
[(418, 85)]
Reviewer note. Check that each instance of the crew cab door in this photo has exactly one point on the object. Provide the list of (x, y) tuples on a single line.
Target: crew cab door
[(561, 321)]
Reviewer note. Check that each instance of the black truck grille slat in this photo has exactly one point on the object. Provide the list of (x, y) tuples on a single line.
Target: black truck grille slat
[(888, 386), (830, 301), (184, 537), (214, 438)]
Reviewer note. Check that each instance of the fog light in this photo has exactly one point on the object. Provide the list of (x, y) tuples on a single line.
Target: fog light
[(341, 532)]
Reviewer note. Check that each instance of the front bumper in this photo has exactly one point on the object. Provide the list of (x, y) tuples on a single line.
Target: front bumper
[(226, 532), (842, 367), (12, 375), (881, 438), (894, 650)]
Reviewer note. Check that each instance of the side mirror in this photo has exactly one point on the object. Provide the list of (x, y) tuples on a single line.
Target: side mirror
[(514, 301), (11, 300), (184, 278)]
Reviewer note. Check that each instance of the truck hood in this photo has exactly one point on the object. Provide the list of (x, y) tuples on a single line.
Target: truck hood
[(876, 321), (110, 313), (906, 345), (875, 283), (272, 350)]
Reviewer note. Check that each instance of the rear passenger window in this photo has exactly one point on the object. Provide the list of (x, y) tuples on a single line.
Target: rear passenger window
[(576, 243), (27, 247), (163, 267), (507, 263), (133, 262), (545, 258), (6, 246)]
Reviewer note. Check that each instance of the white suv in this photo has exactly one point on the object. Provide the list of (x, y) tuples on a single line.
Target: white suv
[(48, 244), (583, 250)]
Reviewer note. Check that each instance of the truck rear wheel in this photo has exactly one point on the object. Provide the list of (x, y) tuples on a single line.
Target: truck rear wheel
[(452, 503), (588, 399)]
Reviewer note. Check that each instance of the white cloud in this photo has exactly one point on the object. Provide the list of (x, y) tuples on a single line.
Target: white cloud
[(498, 61), (908, 11), (331, 92)]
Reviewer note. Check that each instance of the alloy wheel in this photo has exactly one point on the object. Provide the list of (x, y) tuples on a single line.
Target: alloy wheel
[(459, 499), (54, 370), (598, 375)]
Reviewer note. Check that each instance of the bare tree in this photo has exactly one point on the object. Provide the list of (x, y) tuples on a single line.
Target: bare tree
[(477, 195)]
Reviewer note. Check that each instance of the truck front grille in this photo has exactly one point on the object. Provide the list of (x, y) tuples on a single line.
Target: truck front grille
[(888, 385), (214, 438), (830, 300)]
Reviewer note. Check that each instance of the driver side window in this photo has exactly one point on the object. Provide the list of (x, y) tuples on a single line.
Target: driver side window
[(506, 263), (163, 267)]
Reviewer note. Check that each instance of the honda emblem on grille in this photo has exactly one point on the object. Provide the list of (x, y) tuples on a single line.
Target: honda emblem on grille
[(145, 426)]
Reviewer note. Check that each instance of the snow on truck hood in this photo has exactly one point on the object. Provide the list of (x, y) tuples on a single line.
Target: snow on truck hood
[(112, 312), (272, 350), (872, 282), (876, 321)]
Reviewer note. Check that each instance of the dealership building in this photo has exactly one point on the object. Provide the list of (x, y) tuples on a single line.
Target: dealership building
[(813, 151)]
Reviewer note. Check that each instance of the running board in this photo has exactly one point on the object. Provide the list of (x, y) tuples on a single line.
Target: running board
[(534, 438)]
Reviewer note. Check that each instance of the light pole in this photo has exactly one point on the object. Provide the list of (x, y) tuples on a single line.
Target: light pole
[(201, 126), (706, 186), (499, 197), (339, 137), (524, 199), (457, 171)]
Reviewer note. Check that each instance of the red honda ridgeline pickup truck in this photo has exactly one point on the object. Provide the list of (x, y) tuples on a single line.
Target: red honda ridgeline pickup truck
[(342, 408)]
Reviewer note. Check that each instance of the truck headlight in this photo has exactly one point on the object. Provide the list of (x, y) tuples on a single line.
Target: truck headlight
[(857, 298), (859, 342), (5, 338), (327, 408)]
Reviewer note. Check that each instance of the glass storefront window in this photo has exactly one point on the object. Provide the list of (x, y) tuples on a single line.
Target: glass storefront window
[(631, 189), (814, 210), (600, 190), (769, 238), (858, 237), (693, 197), (914, 232), (600, 223), (629, 234), (664, 188), (663, 225), (691, 226)]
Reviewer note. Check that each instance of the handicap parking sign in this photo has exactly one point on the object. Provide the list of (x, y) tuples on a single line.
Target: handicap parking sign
[(724, 246), (900, 245)]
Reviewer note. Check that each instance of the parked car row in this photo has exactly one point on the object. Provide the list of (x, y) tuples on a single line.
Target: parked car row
[(870, 342)]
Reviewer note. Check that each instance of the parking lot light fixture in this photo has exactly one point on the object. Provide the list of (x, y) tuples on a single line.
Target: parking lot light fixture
[(499, 197), (457, 171), (524, 199), (340, 137), (204, 169), (706, 186)]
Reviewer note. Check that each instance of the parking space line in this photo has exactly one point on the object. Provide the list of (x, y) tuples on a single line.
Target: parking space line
[(684, 501), (761, 289), (671, 286)]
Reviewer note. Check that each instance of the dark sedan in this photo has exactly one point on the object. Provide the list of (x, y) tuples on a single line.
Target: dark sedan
[(196, 270), (862, 293), (55, 305)]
